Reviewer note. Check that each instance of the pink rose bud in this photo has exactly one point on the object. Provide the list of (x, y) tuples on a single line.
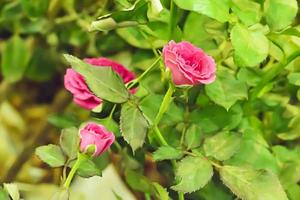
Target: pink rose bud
[(75, 83), (96, 137), (189, 65)]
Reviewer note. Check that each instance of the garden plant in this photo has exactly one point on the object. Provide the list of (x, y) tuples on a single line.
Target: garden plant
[(185, 99)]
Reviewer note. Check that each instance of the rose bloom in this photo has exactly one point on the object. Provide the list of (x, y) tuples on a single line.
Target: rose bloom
[(189, 65), (97, 135), (75, 83)]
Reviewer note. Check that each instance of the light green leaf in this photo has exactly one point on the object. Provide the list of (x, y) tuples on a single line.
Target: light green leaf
[(15, 57), (133, 125), (167, 153), (193, 173), (102, 81), (250, 47), (193, 137), (250, 184), (217, 9), (51, 154), (137, 38), (294, 78), (88, 169), (12, 190), (254, 152), (248, 11), (202, 31), (69, 141), (249, 75), (161, 193), (279, 14), (3, 194), (223, 145), (226, 90)]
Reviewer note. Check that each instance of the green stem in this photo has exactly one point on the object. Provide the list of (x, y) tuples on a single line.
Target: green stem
[(152, 66), (180, 196), (160, 136), (272, 73), (172, 19), (80, 159), (165, 104)]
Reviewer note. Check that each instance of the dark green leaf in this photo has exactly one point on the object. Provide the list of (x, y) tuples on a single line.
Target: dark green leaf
[(15, 57), (133, 125)]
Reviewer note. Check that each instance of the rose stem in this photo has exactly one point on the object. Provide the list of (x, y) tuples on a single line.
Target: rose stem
[(80, 159), (133, 82)]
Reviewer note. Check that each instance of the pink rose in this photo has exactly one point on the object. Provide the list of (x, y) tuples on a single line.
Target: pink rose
[(97, 135), (75, 83), (189, 65)]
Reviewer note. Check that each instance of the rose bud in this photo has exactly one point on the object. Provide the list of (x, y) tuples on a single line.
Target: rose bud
[(94, 137), (75, 83), (189, 65)]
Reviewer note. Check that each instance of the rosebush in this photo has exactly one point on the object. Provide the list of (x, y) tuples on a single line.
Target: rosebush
[(188, 99)]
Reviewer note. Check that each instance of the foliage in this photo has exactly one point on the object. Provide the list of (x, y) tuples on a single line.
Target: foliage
[(237, 137)]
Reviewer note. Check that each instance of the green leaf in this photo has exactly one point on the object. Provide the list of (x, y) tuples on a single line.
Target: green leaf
[(41, 66), (214, 118), (133, 125), (63, 120), (250, 47), (167, 153), (69, 141), (248, 11), (203, 31), (137, 38), (102, 81), (193, 173), (12, 190), (160, 192), (254, 152), (88, 169), (110, 125), (279, 14), (15, 57), (3, 194), (150, 107), (250, 184), (294, 78), (249, 75), (222, 145), (138, 182), (51, 154), (217, 9), (35, 8), (193, 136), (226, 90)]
